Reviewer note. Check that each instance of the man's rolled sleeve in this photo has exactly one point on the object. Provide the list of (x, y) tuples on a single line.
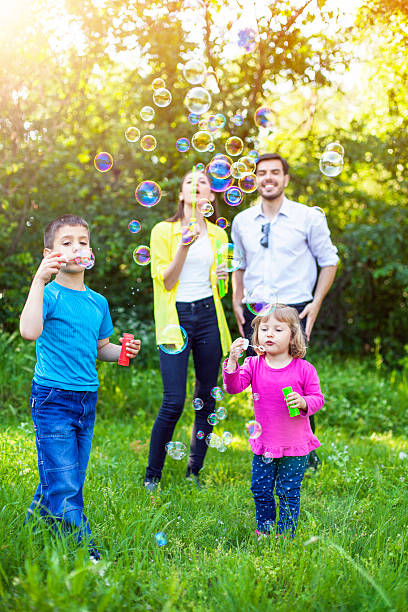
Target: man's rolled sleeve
[(320, 243)]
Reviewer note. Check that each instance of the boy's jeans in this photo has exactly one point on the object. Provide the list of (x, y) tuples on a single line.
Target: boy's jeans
[(63, 424), (288, 474)]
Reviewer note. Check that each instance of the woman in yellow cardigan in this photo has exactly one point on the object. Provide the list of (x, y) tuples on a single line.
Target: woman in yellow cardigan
[(185, 283)]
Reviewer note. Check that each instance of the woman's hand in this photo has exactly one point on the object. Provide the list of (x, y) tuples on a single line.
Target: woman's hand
[(189, 233), (221, 272)]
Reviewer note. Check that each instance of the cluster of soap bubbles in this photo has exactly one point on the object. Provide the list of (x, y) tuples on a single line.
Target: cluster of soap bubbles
[(219, 415), (176, 450), (332, 160), (220, 443)]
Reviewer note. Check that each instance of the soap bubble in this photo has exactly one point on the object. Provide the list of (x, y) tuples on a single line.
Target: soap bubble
[(132, 134), (237, 120), (148, 193), (220, 121), (247, 40), (211, 147), (212, 440), (194, 72), (103, 161), (200, 167), (219, 167), (331, 163), (211, 125), (249, 163), (201, 141), (173, 339), (85, 258), (234, 146), (162, 97), (219, 185), (161, 539), (198, 100), (336, 147), (182, 145), (227, 438), (216, 392), (200, 435), (266, 459), (212, 419), (254, 154), (176, 450), (147, 113), (231, 256), (233, 196), (203, 124), (255, 396), (258, 303), (134, 226), (253, 429), (221, 413), (264, 117), (141, 255), (238, 169), (148, 143), (198, 403), (205, 207), (193, 118), (222, 222), (158, 84), (248, 183)]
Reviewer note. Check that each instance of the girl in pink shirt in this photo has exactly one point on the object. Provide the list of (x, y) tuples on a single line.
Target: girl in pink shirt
[(282, 448)]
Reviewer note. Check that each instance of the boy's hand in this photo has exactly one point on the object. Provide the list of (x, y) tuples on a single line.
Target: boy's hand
[(51, 264), (294, 400), (132, 348)]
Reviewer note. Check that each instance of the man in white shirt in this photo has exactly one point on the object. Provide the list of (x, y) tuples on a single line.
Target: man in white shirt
[(281, 243)]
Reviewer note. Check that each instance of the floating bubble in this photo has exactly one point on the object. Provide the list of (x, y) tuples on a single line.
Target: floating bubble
[(194, 72), (132, 134), (203, 124), (257, 303), (148, 193), (221, 413), (264, 117), (227, 438), (256, 397), (216, 392), (158, 84), (141, 255), (211, 147), (234, 146), (221, 448), (162, 97), (201, 141), (103, 161), (214, 441), (331, 163), (222, 222), (254, 154), (220, 121), (198, 403), (147, 113), (237, 120), (182, 145), (248, 183), (212, 419), (161, 538), (249, 163), (233, 196), (266, 459), (194, 119), (198, 100), (134, 226), (148, 143), (200, 167), (238, 169), (231, 256), (200, 435), (176, 450), (85, 258), (247, 40), (219, 167), (253, 429), (336, 147), (173, 339), (220, 185), (205, 207)]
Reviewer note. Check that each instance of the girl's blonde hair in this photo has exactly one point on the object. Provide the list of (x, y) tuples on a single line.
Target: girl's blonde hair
[(284, 314)]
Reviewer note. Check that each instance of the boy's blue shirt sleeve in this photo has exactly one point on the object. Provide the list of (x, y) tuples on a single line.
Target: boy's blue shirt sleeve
[(106, 328)]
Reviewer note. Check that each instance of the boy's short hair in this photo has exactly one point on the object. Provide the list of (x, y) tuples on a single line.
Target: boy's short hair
[(54, 226), (285, 314), (282, 160)]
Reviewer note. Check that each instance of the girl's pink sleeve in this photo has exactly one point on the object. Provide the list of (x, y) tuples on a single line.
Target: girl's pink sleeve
[(311, 391), (235, 382)]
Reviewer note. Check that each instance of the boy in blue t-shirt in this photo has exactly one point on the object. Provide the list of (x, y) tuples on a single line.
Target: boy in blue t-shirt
[(71, 324)]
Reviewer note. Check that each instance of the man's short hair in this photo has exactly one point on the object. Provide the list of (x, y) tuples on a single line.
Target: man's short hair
[(54, 226), (283, 161)]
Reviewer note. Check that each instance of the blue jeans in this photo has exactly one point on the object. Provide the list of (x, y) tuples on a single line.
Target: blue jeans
[(63, 424), (287, 473), (199, 319)]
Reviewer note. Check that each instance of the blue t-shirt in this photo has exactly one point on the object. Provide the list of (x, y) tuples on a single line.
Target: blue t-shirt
[(73, 322)]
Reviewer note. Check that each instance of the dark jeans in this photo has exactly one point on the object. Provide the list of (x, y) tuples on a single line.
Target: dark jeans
[(287, 473), (199, 319), (249, 317), (63, 424)]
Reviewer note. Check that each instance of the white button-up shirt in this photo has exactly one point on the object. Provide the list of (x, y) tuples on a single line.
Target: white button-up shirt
[(286, 271)]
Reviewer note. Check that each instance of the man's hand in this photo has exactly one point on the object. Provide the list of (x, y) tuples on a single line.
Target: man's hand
[(132, 347), (239, 315), (51, 264), (310, 311)]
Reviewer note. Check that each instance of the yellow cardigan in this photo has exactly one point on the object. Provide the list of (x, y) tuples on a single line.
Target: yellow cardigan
[(164, 241)]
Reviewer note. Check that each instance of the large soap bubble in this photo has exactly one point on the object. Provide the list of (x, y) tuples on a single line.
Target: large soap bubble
[(231, 256), (103, 161), (162, 97), (234, 146), (197, 100), (264, 117), (148, 193), (201, 141), (147, 113), (174, 339), (331, 163), (194, 72)]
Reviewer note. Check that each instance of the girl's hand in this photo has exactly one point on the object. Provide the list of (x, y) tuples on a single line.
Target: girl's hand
[(294, 400), (132, 348), (221, 272), (235, 353)]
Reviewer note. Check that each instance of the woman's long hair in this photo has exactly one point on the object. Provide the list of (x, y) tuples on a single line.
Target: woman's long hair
[(180, 208)]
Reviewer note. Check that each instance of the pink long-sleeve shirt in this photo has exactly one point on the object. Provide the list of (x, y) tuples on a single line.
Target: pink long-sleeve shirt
[(281, 435)]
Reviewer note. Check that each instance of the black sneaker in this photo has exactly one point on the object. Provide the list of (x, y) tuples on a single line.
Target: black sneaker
[(194, 479), (151, 485), (313, 461)]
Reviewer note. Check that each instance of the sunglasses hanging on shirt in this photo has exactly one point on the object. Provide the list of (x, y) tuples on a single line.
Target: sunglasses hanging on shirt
[(264, 241)]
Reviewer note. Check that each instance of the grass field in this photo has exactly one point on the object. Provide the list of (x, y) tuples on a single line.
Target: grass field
[(350, 552)]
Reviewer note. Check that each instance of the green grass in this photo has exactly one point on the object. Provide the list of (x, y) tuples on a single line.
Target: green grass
[(350, 552)]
